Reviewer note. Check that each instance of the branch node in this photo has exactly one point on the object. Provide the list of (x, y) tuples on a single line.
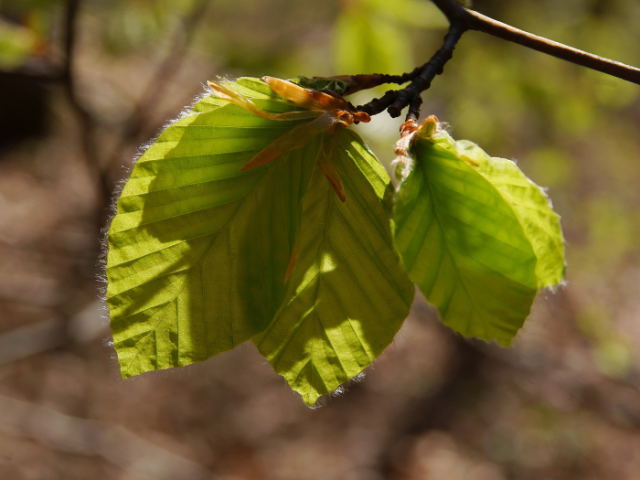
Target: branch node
[(414, 109)]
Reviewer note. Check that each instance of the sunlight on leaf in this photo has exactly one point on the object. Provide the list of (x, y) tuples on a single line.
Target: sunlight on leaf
[(198, 251), (477, 236), (348, 295)]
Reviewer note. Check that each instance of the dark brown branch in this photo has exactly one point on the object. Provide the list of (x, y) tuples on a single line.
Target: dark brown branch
[(463, 19), (414, 109), (434, 67), (363, 82), (471, 20), (378, 105), (394, 101)]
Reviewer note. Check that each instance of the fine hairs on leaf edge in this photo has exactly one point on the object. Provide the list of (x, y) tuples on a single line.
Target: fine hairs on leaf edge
[(341, 390), (101, 276), (407, 139)]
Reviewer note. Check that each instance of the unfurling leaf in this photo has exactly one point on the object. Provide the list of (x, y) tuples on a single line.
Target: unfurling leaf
[(476, 235)]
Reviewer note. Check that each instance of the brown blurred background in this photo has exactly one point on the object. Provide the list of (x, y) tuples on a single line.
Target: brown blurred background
[(83, 84)]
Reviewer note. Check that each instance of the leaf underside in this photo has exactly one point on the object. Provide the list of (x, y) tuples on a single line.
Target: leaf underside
[(198, 250), (532, 207), (204, 256), (478, 240), (348, 294)]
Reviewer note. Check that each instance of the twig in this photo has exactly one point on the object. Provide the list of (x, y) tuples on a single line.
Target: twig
[(414, 109), (469, 19), (395, 101), (485, 24), (378, 105), (461, 20), (434, 67)]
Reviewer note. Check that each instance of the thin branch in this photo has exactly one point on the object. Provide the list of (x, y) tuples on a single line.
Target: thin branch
[(461, 20), (394, 101), (434, 67), (469, 19), (378, 105), (71, 14), (68, 68), (414, 109)]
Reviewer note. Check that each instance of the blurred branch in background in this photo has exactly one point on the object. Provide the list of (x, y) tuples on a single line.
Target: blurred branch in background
[(87, 122), (138, 124)]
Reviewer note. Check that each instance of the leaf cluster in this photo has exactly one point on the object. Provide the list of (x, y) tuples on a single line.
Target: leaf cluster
[(260, 216)]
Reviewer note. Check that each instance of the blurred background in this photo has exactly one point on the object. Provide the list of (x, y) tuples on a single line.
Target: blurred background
[(84, 83)]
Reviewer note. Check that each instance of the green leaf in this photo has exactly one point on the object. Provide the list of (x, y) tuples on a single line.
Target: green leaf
[(198, 250), (475, 248), (532, 207), (348, 294)]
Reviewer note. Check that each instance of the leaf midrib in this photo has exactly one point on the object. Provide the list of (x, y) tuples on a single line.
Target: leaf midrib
[(453, 259)]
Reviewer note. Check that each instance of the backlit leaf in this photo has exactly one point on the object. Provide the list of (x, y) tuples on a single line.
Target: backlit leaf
[(532, 207), (463, 241), (198, 250), (348, 294)]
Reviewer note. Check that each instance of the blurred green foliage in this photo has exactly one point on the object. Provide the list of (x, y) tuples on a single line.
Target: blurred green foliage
[(370, 36), (16, 45)]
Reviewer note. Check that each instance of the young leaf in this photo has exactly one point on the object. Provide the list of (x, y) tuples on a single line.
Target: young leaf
[(532, 206), (198, 250), (348, 294), (474, 247)]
